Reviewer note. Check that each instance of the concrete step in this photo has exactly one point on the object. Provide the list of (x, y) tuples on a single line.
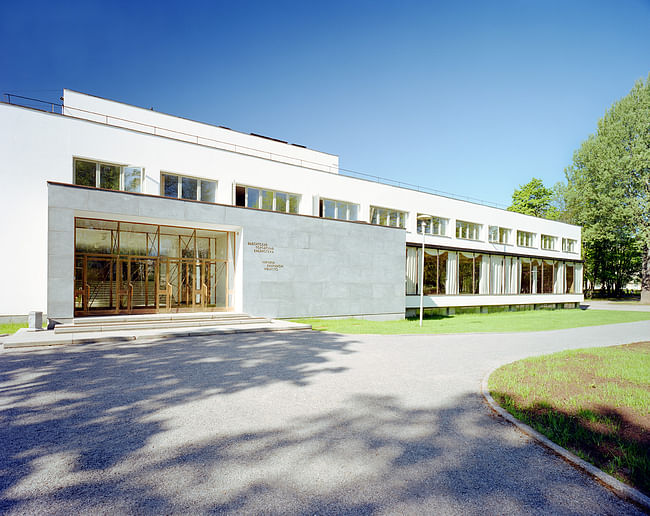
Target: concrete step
[(24, 338), (138, 322), (80, 321)]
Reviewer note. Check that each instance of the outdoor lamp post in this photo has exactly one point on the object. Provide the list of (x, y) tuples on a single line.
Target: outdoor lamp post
[(421, 220)]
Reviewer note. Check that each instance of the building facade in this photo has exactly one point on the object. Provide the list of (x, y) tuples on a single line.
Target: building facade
[(112, 209)]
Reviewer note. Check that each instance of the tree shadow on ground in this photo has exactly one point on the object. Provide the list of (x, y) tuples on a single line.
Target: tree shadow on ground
[(613, 439), (127, 429)]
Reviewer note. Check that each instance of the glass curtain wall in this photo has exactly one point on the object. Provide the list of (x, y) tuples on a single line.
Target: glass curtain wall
[(123, 267), (460, 272)]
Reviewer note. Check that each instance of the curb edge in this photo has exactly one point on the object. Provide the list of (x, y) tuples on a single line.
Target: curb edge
[(622, 490)]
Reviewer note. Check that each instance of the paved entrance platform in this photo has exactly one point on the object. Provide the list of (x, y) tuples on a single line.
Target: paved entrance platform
[(94, 330), (293, 422)]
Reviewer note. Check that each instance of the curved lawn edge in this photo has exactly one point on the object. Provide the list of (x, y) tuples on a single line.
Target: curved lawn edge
[(623, 490)]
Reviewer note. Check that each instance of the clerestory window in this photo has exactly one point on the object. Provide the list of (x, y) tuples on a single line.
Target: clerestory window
[(498, 235), (331, 209), (387, 217), (262, 199), (468, 230), (525, 239), (436, 226), (186, 187)]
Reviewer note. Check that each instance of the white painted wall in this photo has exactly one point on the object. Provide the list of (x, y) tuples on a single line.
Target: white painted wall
[(37, 147), (140, 119)]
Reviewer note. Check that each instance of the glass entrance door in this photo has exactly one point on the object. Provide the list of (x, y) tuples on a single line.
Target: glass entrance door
[(125, 267)]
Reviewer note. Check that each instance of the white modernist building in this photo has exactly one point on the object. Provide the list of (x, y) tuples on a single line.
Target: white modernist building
[(110, 209)]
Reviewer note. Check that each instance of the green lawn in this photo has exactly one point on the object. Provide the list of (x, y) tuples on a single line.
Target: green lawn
[(594, 402), (11, 327), (532, 320)]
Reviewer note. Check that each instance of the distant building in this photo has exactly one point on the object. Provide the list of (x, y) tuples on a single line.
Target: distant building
[(109, 208)]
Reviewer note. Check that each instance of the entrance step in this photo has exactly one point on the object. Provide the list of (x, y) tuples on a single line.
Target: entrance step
[(102, 334), (157, 321)]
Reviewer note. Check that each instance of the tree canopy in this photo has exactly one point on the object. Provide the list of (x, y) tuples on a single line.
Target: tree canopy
[(534, 198), (608, 192)]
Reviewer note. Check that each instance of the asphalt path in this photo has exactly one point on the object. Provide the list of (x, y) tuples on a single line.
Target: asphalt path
[(284, 423)]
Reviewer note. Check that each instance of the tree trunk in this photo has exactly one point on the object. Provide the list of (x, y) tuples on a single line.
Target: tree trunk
[(645, 276)]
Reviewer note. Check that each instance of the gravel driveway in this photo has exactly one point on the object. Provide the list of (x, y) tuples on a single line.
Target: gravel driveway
[(291, 423)]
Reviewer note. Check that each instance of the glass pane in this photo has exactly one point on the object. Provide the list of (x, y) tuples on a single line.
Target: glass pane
[(341, 211), (203, 247), (394, 219), (221, 245), (253, 198), (548, 278), (569, 279), (536, 272), (132, 179), (93, 241), (84, 173), (465, 274), (525, 278), (133, 243), (169, 246), (328, 209), (220, 282), (109, 177), (100, 276), (170, 186), (267, 200), (442, 272), (430, 273), (478, 269), (281, 202), (353, 213), (189, 188), (383, 217), (208, 190), (293, 203)]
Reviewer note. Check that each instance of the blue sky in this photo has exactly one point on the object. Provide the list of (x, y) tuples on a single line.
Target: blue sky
[(472, 98)]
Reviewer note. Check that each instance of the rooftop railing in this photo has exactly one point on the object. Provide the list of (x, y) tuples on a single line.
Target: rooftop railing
[(103, 118)]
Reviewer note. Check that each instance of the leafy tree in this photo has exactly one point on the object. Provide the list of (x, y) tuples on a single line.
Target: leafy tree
[(608, 193), (534, 198)]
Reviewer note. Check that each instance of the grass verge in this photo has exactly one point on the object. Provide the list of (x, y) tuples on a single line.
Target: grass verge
[(593, 402), (499, 322), (11, 327)]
